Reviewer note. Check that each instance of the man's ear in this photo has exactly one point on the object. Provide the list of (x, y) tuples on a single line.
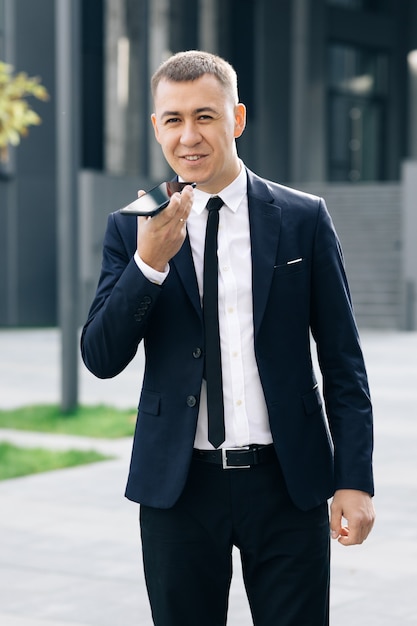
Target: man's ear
[(155, 126), (240, 119)]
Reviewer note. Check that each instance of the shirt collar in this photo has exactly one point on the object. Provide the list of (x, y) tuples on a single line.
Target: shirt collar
[(231, 195)]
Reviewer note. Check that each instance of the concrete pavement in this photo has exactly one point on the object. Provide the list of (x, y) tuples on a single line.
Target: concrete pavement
[(69, 541)]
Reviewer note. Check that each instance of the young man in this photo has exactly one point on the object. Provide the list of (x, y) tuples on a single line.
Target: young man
[(264, 487)]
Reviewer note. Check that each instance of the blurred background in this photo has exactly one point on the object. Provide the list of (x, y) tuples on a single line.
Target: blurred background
[(331, 92)]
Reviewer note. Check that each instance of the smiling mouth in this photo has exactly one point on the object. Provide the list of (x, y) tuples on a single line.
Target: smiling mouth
[(193, 157)]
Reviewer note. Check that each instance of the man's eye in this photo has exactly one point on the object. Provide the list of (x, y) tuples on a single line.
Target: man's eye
[(172, 120)]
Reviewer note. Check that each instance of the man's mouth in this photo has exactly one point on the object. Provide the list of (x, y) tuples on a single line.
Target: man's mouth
[(193, 157)]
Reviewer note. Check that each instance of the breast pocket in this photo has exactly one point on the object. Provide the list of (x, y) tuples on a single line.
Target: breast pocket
[(290, 267)]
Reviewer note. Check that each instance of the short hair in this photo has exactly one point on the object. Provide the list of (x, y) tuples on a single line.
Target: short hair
[(191, 65)]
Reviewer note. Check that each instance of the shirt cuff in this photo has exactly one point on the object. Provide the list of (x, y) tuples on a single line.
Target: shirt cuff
[(149, 272)]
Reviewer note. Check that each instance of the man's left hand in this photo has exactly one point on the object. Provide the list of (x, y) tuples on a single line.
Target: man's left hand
[(357, 508)]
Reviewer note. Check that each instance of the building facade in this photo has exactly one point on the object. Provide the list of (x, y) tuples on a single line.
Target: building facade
[(328, 85)]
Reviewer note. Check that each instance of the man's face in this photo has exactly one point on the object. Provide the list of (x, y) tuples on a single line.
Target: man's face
[(196, 123)]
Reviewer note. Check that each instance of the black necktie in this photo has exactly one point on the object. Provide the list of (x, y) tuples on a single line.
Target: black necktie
[(213, 364)]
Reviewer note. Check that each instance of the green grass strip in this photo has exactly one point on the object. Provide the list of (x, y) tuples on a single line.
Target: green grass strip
[(16, 461), (88, 421)]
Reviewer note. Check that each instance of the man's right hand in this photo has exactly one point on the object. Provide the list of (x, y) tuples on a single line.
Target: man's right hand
[(161, 237)]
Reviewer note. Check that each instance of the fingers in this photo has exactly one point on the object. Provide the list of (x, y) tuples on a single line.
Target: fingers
[(352, 516), (160, 237), (336, 519), (180, 205), (351, 535)]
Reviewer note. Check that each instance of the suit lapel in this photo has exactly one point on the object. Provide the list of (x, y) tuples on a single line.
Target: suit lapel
[(265, 226), (184, 265)]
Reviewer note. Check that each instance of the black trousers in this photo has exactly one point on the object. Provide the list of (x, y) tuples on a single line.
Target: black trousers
[(187, 550)]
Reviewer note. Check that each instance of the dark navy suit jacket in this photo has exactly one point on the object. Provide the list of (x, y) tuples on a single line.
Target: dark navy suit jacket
[(321, 446)]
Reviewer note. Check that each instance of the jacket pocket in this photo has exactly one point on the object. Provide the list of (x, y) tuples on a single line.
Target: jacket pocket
[(291, 267), (149, 402), (312, 401)]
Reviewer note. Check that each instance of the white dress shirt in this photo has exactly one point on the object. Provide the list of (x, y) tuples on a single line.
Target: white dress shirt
[(246, 415)]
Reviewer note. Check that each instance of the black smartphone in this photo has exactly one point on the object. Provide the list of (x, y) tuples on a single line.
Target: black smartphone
[(154, 200)]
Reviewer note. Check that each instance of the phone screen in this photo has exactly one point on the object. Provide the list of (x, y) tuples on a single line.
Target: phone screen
[(154, 200)]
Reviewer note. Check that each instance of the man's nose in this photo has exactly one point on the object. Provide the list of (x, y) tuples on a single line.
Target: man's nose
[(190, 135)]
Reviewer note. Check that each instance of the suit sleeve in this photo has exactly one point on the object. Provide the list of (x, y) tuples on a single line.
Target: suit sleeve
[(120, 311), (345, 385)]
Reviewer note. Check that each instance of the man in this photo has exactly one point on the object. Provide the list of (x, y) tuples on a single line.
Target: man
[(264, 487)]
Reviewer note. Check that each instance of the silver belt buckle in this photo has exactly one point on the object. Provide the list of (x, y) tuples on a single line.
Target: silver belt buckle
[(224, 458)]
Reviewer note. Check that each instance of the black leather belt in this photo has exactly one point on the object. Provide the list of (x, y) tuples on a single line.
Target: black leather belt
[(237, 458)]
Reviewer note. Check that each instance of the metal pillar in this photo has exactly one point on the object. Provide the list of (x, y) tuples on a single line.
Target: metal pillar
[(412, 76), (68, 163)]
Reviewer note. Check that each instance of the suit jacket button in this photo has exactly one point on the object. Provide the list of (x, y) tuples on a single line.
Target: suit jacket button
[(197, 353), (191, 401)]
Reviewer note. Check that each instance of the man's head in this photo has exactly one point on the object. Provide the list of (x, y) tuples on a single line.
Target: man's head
[(191, 65), (197, 118)]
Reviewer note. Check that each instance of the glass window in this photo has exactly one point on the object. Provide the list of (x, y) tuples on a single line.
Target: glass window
[(136, 39), (357, 88), (348, 4), (356, 71), (357, 5)]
